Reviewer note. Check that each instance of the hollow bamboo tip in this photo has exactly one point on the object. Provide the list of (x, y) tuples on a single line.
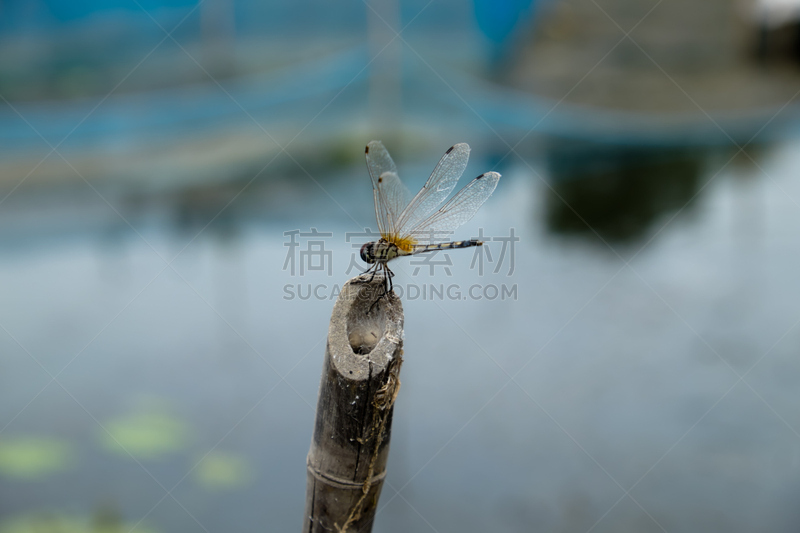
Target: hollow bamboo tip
[(365, 327)]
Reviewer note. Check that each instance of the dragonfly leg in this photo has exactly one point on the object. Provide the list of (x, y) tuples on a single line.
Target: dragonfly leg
[(374, 269), (387, 284)]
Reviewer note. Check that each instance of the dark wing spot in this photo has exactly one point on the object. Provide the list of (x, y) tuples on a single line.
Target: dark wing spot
[(449, 150), (482, 175), (367, 150), (380, 180)]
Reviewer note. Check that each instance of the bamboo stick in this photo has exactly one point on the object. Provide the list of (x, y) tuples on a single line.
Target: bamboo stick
[(350, 447)]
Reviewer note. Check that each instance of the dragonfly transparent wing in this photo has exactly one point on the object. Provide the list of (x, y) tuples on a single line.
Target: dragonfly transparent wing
[(390, 195), (457, 211), (438, 187)]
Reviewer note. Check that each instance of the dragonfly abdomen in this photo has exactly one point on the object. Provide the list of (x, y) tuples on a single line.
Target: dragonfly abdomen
[(421, 248)]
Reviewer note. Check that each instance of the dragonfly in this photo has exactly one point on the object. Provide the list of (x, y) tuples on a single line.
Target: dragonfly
[(413, 227)]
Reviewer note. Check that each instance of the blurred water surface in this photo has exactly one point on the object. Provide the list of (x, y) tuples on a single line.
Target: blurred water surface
[(155, 346)]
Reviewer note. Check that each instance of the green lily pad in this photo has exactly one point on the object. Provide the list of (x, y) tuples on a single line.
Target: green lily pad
[(222, 470), (49, 522), (33, 457), (145, 435)]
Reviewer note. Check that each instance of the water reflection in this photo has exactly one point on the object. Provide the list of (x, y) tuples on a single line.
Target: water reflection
[(197, 206), (619, 191)]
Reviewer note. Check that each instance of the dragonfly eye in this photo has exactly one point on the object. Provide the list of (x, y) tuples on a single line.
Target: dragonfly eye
[(366, 253)]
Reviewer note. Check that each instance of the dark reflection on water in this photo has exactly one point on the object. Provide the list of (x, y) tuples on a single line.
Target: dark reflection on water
[(619, 191), (198, 206)]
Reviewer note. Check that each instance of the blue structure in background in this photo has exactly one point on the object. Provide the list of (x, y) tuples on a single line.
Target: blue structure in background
[(177, 111), (497, 19), (253, 17), (66, 11)]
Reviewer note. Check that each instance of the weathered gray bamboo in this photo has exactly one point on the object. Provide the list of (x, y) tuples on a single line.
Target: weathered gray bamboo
[(347, 460)]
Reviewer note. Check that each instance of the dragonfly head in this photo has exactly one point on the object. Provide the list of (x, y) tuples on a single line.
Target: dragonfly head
[(368, 252)]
